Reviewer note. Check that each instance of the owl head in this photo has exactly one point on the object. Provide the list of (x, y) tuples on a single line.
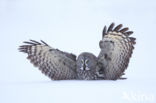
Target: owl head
[(86, 62)]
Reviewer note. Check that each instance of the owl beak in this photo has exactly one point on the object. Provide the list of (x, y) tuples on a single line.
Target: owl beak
[(84, 67)]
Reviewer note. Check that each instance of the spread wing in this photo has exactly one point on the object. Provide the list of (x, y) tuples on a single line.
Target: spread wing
[(116, 49), (54, 63)]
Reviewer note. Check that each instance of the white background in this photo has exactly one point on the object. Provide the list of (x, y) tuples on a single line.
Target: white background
[(75, 26)]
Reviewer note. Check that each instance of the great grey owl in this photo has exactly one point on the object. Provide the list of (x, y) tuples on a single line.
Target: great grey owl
[(116, 49)]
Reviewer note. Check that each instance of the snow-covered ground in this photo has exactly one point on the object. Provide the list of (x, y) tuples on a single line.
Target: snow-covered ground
[(128, 91), (75, 26)]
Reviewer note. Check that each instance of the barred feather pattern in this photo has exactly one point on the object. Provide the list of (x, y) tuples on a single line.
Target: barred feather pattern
[(54, 63), (116, 49)]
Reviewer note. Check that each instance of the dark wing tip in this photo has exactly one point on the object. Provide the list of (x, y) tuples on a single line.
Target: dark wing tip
[(111, 27), (124, 30), (117, 28), (104, 31), (33, 42), (128, 33), (29, 44), (133, 40), (36, 42), (23, 48), (44, 43)]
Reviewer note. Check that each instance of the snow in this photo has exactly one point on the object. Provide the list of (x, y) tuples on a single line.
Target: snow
[(75, 26), (129, 91)]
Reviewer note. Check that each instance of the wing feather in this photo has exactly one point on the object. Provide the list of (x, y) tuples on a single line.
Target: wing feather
[(104, 31), (54, 63), (117, 28), (110, 27), (116, 50)]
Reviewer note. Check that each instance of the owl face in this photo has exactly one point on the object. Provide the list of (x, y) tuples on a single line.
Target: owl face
[(86, 66), (86, 62)]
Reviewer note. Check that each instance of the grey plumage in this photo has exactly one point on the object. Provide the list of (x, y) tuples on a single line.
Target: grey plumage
[(116, 50), (54, 63), (87, 67)]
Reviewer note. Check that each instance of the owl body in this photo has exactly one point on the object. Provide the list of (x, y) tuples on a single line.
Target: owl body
[(116, 49)]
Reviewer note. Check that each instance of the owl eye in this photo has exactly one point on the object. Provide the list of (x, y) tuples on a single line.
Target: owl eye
[(87, 61), (82, 61)]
